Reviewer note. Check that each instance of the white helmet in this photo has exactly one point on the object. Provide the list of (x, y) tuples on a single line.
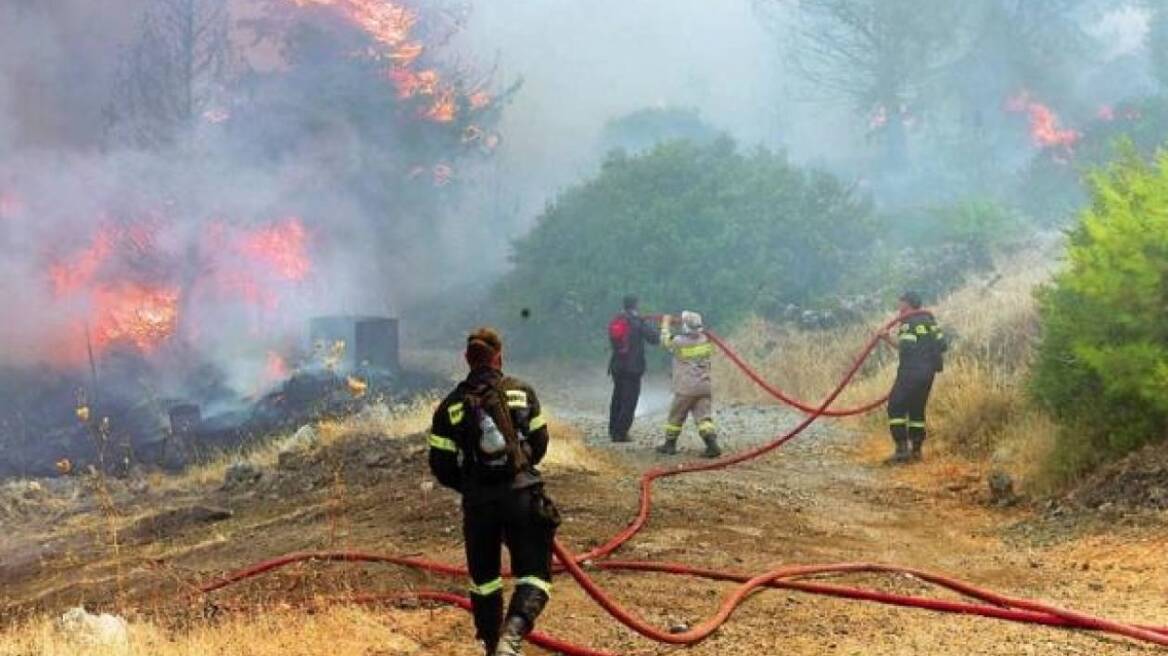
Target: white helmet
[(691, 321)]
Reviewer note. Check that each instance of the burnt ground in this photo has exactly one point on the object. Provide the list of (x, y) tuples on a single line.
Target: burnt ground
[(822, 498)]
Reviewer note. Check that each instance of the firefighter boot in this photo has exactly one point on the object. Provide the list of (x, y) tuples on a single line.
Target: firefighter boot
[(511, 643), (901, 455), (918, 442), (669, 447), (712, 450)]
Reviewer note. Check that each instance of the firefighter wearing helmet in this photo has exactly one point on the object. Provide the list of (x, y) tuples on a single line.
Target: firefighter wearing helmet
[(692, 391), (486, 439), (922, 345)]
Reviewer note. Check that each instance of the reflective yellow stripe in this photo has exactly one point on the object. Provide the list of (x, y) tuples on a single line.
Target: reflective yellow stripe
[(537, 422), (536, 582), (908, 337), (916, 424), (706, 423), (443, 443), (696, 351), (455, 412), (672, 429), (898, 421), (516, 399), (486, 589), (922, 329)]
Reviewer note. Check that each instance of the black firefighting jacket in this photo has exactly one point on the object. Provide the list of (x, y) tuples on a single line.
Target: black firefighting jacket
[(455, 457), (922, 345)]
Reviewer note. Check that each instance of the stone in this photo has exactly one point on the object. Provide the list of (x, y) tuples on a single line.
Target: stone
[(81, 627), (241, 476)]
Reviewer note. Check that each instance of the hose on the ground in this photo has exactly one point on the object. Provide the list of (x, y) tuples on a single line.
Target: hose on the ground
[(995, 605)]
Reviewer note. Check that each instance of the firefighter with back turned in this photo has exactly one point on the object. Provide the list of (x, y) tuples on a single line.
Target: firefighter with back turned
[(486, 439), (921, 345)]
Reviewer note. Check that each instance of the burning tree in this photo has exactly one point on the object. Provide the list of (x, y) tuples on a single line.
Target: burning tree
[(876, 53), (173, 75)]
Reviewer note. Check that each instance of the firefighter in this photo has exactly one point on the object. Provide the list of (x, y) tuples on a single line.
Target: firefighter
[(627, 333), (486, 439), (922, 345), (692, 391)]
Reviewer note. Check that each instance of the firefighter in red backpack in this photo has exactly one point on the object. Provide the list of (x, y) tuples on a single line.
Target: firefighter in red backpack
[(627, 332)]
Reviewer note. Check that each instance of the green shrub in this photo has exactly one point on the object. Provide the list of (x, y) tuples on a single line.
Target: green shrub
[(1102, 364), (698, 226)]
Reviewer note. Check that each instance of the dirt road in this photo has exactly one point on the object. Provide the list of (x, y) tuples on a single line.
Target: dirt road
[(822, 498)]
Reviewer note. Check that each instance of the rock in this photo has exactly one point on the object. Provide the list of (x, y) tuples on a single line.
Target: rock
[(1002, 489), (170, 522), (84, 628), (241, 476)]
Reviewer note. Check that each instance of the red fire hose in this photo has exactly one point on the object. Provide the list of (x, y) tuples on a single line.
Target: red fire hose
[(994, 605)]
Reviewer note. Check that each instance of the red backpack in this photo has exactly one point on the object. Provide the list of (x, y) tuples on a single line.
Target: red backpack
[(618, 333)]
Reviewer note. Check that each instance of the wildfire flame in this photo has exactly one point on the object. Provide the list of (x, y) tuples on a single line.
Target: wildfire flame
[(282, 247), (392, 26), (142, 315), (1045, 129)]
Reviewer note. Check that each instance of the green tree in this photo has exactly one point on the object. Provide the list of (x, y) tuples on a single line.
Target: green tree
[(694, 226), (1102, 364)]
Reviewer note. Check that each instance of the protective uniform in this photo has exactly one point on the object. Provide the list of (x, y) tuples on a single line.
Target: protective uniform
[(500, 506), (921, 344), (627, 366), (692, 390)]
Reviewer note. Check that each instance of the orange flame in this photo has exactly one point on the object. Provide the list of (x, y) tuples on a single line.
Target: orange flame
[(71, 274), (142, 315), (391, 24), (282, 247), (1045, 130), (276, 367)]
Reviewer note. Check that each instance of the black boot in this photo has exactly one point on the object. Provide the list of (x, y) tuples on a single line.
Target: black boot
[(712, 450), (918, 443), (488, 617), (511, 642), (901, 455), (669, 447)]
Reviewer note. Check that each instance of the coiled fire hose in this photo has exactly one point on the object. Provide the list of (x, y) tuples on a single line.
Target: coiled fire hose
[(991, 603)]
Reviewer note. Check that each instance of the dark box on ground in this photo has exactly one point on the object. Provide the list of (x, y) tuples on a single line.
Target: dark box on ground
[(370, 343)]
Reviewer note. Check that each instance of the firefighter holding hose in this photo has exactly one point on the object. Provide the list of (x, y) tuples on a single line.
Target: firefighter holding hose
[(486, 439), (692, 389), (921, 345)]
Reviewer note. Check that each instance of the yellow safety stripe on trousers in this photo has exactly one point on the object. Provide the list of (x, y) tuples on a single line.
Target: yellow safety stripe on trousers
[(898, 421), (516, 399), (916, 424), (443, 443), (673, 429), (536, 582), (696, 352), (455, 411), (537, 422), (486, 589), (706, 424)]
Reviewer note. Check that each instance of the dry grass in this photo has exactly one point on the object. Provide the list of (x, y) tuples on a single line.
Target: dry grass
[(979, 410), (333, 631)]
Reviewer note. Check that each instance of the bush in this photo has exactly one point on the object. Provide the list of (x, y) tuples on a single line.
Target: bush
[(685, 225), (1102, 364)]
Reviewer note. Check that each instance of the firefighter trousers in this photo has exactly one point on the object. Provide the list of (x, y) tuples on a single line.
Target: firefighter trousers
[(519, 521), (906, 407), (701, 408)]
